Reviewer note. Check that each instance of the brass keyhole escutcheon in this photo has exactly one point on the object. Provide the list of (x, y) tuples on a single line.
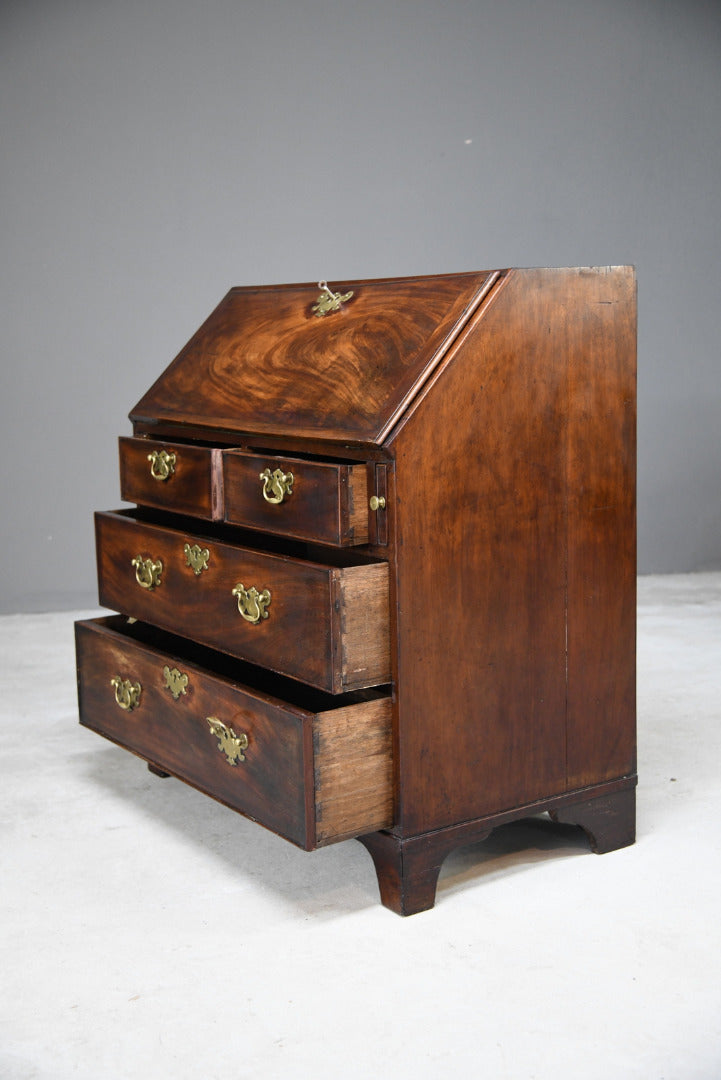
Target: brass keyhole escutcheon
[(175, 681), (252, 604), (127, 693), (147, 571), (162, 464), (197, 558), (229, 743), (329, 301), (277, 485)]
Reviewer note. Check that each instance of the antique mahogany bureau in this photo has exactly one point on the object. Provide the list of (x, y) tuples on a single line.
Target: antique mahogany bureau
[(380, 580)]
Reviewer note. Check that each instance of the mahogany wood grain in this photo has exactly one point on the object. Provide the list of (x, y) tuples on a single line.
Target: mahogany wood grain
[(175, 736), (263, 362), (265, 443), (495, 415), (408, 868), (609, 821), (194, 487), (601, 484), (313, 631), (480, 558), (328, 502), (341, 757), (497, 707)]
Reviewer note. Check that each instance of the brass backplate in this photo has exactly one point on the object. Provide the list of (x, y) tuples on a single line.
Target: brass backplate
[(229, 743), (175, 681)]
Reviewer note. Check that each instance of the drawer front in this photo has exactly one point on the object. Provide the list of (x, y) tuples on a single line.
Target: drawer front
[(172, 476), (325, 625), (312, 777), (308, 500)]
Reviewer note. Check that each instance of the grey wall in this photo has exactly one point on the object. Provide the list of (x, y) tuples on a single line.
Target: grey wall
[(154, 152)]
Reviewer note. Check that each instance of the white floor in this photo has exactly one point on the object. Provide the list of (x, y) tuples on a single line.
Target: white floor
[(149, 932)]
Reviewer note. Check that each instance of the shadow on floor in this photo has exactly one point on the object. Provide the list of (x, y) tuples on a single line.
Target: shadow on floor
[(331, 881)]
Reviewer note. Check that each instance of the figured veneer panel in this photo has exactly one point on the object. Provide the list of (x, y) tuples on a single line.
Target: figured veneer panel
[(264, 363)]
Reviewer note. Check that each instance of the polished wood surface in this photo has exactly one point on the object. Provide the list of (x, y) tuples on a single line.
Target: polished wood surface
[(408, 868), (194, 487), (492, 586), (496, 571), (326, 625), (263, 362), (328, 503), (601, 484), (340, 757)]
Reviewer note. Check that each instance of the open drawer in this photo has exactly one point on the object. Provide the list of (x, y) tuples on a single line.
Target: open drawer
[(311, 767), (173, 476), (326, 624), (308, 499), (322, 501)]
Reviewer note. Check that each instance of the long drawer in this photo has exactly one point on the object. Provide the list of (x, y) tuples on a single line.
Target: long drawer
[(322, 501), (327, 625), (315, 770)]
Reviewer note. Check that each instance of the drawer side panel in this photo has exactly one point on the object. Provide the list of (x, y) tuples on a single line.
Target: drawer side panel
[(353, 767), (364, 626)]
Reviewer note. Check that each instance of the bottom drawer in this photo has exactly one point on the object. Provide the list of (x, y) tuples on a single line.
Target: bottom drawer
[(308, 765)]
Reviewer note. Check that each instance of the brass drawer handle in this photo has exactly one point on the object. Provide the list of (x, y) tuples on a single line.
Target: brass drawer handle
[(197, 558), (175, 681), (251, 603), (162, 464), (277, 485), (127, 693), (147, 571), (229, 743)]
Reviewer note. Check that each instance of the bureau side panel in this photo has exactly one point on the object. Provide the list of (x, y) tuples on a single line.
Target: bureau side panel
[(481, 570), (602, 528)]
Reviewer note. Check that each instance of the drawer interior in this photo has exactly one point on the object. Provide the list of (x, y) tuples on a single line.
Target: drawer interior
[(310, 551), (256, 679)]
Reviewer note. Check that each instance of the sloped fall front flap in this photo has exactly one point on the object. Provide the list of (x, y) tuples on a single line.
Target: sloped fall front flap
[(265, 363)]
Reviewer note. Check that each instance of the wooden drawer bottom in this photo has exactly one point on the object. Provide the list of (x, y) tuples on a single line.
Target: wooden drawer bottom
[(310, 766)]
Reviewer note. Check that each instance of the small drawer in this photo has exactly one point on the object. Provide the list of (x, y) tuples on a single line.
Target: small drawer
[(309, 500), (172, 476), (327, 625), (313, 770)]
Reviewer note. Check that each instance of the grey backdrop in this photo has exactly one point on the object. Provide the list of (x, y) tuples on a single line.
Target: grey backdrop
[(155, 152)]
